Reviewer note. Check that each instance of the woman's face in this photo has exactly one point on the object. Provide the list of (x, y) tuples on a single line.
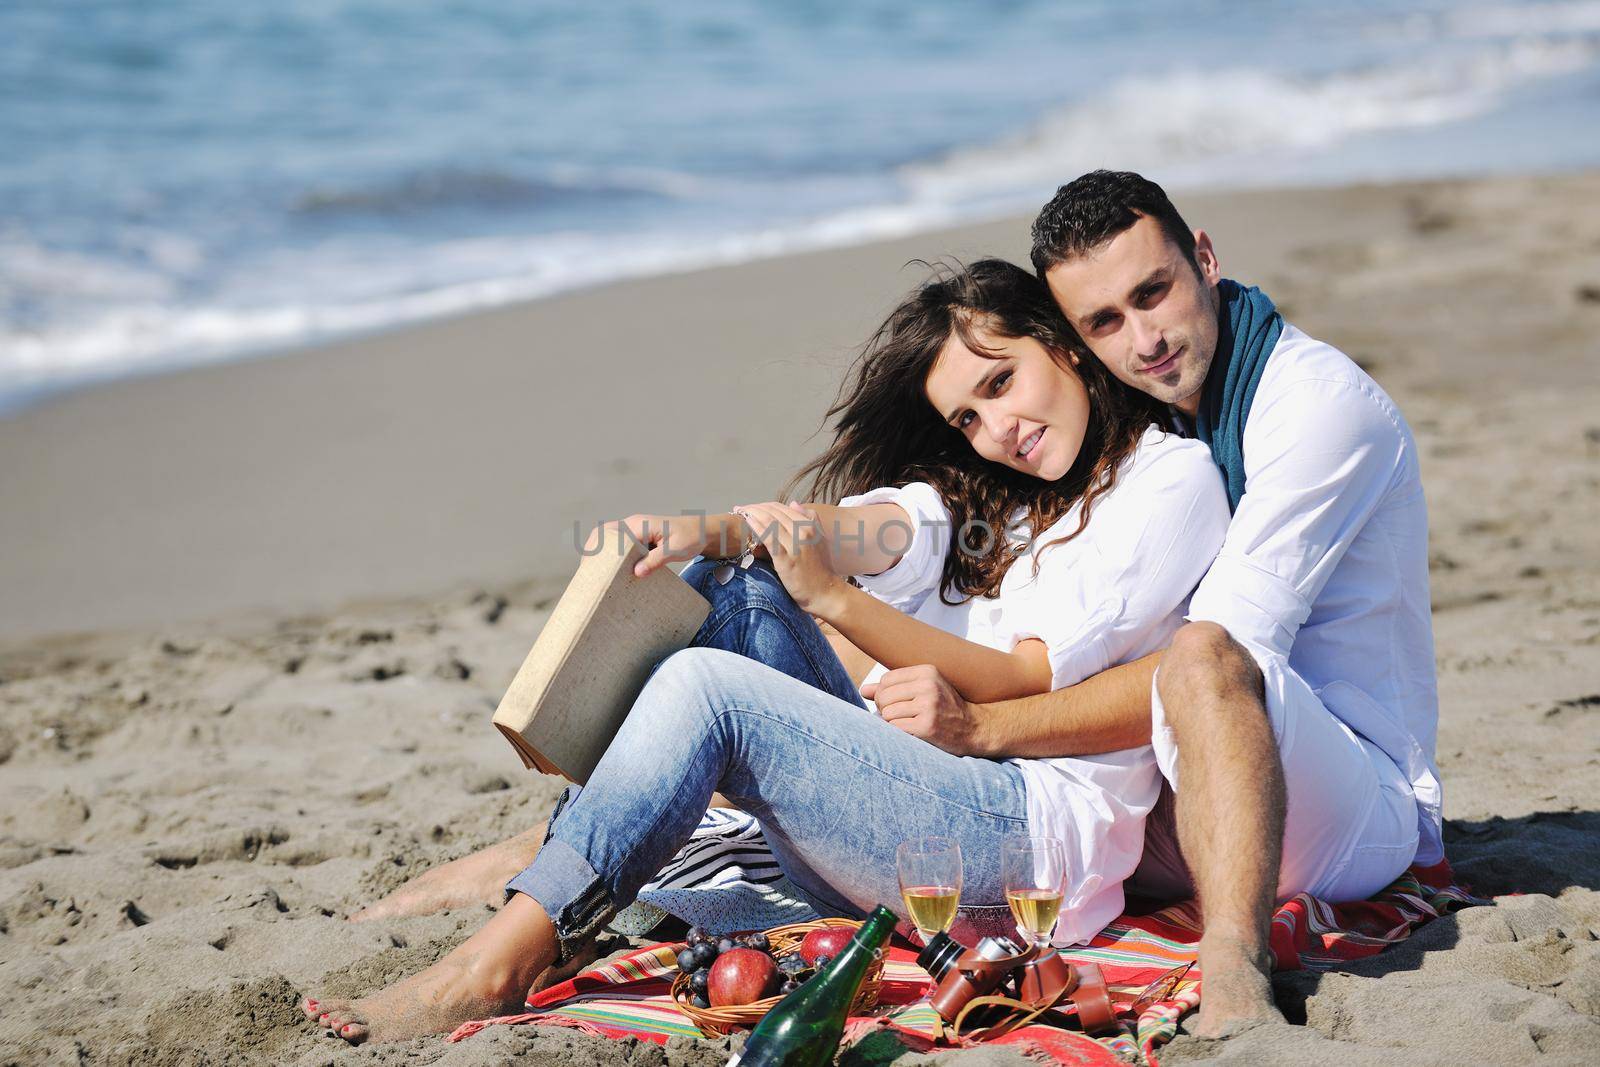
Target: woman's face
[(1015, 405)]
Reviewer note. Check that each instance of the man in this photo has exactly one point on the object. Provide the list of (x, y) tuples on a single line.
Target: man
[(1295, 715)]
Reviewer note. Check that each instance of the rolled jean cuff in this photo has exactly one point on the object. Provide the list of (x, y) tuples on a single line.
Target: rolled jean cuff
[(571, 893), (566, 886)]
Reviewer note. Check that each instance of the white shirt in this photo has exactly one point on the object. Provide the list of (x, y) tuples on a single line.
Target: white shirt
[(1326, 560), (1112, 594)]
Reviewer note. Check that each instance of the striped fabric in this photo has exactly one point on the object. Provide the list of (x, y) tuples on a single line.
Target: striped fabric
[(629, 996), (725, 878)]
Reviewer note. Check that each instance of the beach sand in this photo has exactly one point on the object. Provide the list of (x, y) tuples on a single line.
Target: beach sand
[(257, 617)]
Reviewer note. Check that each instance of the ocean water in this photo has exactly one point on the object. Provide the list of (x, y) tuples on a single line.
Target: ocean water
[(187, 181)]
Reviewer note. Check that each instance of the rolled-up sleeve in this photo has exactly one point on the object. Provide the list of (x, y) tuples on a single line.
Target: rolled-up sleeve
[(1077, 642), (921, 564), (1122, 592), (1302, 506)]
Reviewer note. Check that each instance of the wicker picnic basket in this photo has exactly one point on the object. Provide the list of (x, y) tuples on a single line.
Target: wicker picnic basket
[(785, 941)]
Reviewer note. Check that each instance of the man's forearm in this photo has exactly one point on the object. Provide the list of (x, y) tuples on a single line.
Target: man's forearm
[(1105, 713)]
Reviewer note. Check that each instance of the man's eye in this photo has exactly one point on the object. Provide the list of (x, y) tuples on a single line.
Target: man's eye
[(1100, 322)]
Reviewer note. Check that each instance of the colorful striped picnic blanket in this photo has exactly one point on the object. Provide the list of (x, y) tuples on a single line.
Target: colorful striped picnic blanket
[(628, 996)]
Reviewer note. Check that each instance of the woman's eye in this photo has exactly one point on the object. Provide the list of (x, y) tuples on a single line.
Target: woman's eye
[(964, 420), (1000, 381)]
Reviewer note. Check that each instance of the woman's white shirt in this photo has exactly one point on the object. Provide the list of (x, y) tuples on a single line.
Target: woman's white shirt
[(1115, 592)]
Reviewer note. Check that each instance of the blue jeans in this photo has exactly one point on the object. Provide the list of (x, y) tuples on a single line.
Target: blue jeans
[(754, 615), (764, 712)]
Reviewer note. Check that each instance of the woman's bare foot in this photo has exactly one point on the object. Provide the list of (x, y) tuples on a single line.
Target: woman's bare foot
[(322, 1011), (581, 961), (479, 878), (489, 974), (318, 1011), (1236, 989)]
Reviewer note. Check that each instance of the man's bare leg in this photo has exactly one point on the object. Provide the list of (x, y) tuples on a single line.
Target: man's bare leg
[(479, 878), (1231, 804), (488, 974)]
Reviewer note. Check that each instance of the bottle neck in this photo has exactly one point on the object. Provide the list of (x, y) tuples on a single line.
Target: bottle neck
[(865, 944), (878, 927)]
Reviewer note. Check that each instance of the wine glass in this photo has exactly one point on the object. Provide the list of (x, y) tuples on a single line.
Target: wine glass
[(1034, 870), (930, 882)]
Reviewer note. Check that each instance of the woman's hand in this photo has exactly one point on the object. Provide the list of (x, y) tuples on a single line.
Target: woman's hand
[(666, 538), (793, 539)]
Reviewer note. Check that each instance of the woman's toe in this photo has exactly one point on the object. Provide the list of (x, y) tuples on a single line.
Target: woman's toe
[(353, 1032)]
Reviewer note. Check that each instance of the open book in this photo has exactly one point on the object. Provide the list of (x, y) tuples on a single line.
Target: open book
[(592, 658)]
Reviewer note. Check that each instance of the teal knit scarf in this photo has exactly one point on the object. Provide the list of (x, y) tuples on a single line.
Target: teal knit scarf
[(1248, 331)]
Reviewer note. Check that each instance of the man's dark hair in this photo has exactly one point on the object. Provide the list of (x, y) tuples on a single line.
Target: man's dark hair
[(1091, 210)]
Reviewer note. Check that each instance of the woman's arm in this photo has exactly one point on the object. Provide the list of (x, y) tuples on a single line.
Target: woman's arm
[(857, 664), (866, 539), (894, 639), (883, 632), (863, 539)]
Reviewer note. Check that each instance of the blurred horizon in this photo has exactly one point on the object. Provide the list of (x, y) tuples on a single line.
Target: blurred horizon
[(185, 183)]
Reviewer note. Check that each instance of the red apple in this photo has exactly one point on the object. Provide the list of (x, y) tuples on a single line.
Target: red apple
[(828, 941), (741, 976)]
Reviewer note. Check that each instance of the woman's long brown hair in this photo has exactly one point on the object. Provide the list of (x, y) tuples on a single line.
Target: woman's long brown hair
[(886, 431)]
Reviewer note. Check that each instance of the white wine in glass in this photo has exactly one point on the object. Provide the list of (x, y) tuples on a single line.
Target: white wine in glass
[(1036, 912), (930, 882), (1034, 870)]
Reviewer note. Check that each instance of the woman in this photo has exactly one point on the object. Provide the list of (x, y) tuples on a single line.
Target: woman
[(969, 409)]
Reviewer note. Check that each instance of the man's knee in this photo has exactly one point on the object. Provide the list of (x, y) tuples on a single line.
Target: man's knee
[(1204, 667)]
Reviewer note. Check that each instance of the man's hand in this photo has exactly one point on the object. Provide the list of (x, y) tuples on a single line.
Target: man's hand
[(919, 701)]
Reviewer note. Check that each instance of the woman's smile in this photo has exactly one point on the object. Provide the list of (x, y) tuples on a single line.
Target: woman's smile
[(1030, 444)]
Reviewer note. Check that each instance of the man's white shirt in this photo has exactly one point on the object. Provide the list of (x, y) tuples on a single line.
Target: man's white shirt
[(1325, 564)]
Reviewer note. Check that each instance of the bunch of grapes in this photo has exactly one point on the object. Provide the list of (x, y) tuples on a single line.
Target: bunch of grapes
[(700, 951)]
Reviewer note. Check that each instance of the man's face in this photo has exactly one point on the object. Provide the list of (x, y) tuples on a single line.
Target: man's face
[(1144, 311)]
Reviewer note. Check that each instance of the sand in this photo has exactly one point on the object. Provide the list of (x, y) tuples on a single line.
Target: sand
[(298, 586)]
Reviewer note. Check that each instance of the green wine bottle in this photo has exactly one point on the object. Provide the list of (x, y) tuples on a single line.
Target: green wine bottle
[(803, 1029)]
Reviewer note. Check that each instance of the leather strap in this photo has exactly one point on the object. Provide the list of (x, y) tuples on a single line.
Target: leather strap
[(1093, 999), (1090, 996)]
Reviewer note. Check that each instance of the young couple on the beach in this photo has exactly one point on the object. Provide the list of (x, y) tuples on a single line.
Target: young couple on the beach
[(1260, 642)]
